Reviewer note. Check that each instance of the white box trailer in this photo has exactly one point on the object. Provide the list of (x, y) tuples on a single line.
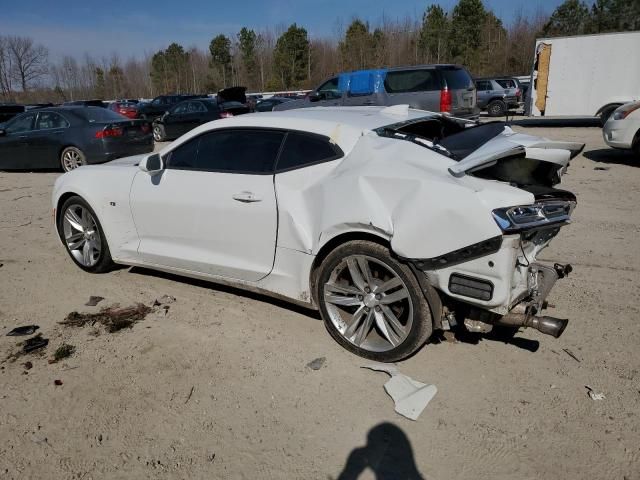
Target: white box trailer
[(585, 75)]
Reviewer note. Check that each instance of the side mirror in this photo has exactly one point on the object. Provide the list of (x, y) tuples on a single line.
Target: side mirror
[(315, 97), (3, 132), (152, 164)]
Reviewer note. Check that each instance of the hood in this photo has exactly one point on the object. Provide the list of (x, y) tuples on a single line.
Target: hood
[(133, 161), (232, 94), (515, 157)]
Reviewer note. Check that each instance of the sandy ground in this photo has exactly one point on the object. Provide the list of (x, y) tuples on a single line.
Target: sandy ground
[(219, 388)]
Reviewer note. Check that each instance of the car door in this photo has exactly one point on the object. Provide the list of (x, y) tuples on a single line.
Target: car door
[(14, 148), (46, 139), (197, 114), (328, 94), (483, 89), (212, 210), (174, 121)]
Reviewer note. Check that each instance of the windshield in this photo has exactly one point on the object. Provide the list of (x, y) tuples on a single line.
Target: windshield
[(98, 115)]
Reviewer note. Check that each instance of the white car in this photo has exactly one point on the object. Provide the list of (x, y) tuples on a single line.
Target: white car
[(622, 130), (392, 222)]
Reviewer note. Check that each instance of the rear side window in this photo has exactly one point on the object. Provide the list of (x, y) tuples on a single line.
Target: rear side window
[(302, 149), (411, 81), (506, 83), (231, 151), (47, 120), (456, 78)]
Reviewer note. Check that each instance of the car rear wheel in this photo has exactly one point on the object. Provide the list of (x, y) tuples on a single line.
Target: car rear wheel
[(83, 237), (159, 135), (496, 108), (371, 303), (72, 158)]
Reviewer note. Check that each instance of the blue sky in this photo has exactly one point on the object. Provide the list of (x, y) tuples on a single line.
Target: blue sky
[(132, 27)]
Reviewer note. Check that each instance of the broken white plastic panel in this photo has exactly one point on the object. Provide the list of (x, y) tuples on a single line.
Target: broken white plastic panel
[(410, 397)]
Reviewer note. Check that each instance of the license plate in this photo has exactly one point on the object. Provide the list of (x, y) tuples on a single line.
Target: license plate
[(132, 133)]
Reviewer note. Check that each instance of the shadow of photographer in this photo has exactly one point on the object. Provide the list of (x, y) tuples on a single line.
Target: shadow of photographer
[(388, 454)]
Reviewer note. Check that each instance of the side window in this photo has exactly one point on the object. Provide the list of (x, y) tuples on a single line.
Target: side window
[(329, 89), (483, 85), (195, 107), (302, 149), (232, 151), (405, 81), (21, 124), (157, 101), (180, 109), (49, 120), (240, 151), (506, 83), (185, 156)]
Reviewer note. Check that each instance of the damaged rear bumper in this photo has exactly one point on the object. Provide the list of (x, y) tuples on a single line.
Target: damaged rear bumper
[(506, 286)]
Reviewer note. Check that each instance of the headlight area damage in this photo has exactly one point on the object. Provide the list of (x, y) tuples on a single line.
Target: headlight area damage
[(499, 281)]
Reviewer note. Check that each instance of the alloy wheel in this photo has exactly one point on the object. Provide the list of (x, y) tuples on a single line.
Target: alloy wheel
[(72, 159), (81, 235), (368, 303), (157, 134)]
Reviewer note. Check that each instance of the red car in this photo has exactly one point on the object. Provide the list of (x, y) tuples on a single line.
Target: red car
[(128, 109)]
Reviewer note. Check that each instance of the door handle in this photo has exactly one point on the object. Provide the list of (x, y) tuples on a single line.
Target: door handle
[(246, 197)]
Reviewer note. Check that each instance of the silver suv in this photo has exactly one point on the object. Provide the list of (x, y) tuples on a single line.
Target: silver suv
[(436, 88), (497, 95)]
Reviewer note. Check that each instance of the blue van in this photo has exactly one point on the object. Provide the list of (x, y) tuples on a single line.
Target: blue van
[(436, 88)]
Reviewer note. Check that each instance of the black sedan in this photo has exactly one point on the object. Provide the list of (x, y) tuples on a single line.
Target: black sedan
[(189, 114), (68, 137)]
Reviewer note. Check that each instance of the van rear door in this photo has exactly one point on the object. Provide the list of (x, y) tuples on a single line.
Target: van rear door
[(462, 89)]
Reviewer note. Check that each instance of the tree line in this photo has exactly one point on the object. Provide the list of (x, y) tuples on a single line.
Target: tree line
[(287, 58)]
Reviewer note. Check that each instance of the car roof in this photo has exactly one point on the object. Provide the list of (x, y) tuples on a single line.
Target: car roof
[(343, 125)]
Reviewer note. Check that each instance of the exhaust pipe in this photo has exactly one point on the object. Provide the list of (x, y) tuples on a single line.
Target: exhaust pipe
[(547, 325)]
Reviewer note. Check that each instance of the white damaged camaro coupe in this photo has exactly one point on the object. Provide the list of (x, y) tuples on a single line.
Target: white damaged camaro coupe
[(392, 222)]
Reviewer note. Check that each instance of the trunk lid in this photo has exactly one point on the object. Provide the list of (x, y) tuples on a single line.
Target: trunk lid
[(496, 151), (232, 94)]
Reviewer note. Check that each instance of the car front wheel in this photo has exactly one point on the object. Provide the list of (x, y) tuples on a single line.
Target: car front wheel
[(371, 303), (83, 237)]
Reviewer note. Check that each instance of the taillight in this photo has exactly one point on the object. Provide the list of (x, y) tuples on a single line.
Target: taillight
[(445, 100), (110, 132), (226, 114), (517, 92)]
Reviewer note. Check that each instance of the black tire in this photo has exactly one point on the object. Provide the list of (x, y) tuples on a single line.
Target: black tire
[(421, 321), (496, 108), (635, 146), (159, 133), (72, 158), (104, 262)]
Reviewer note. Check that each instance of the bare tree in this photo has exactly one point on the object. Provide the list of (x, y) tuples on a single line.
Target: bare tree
[(6, 67), (30, 61)]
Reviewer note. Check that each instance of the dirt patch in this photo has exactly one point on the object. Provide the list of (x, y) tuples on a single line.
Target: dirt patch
[(113, 318)]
